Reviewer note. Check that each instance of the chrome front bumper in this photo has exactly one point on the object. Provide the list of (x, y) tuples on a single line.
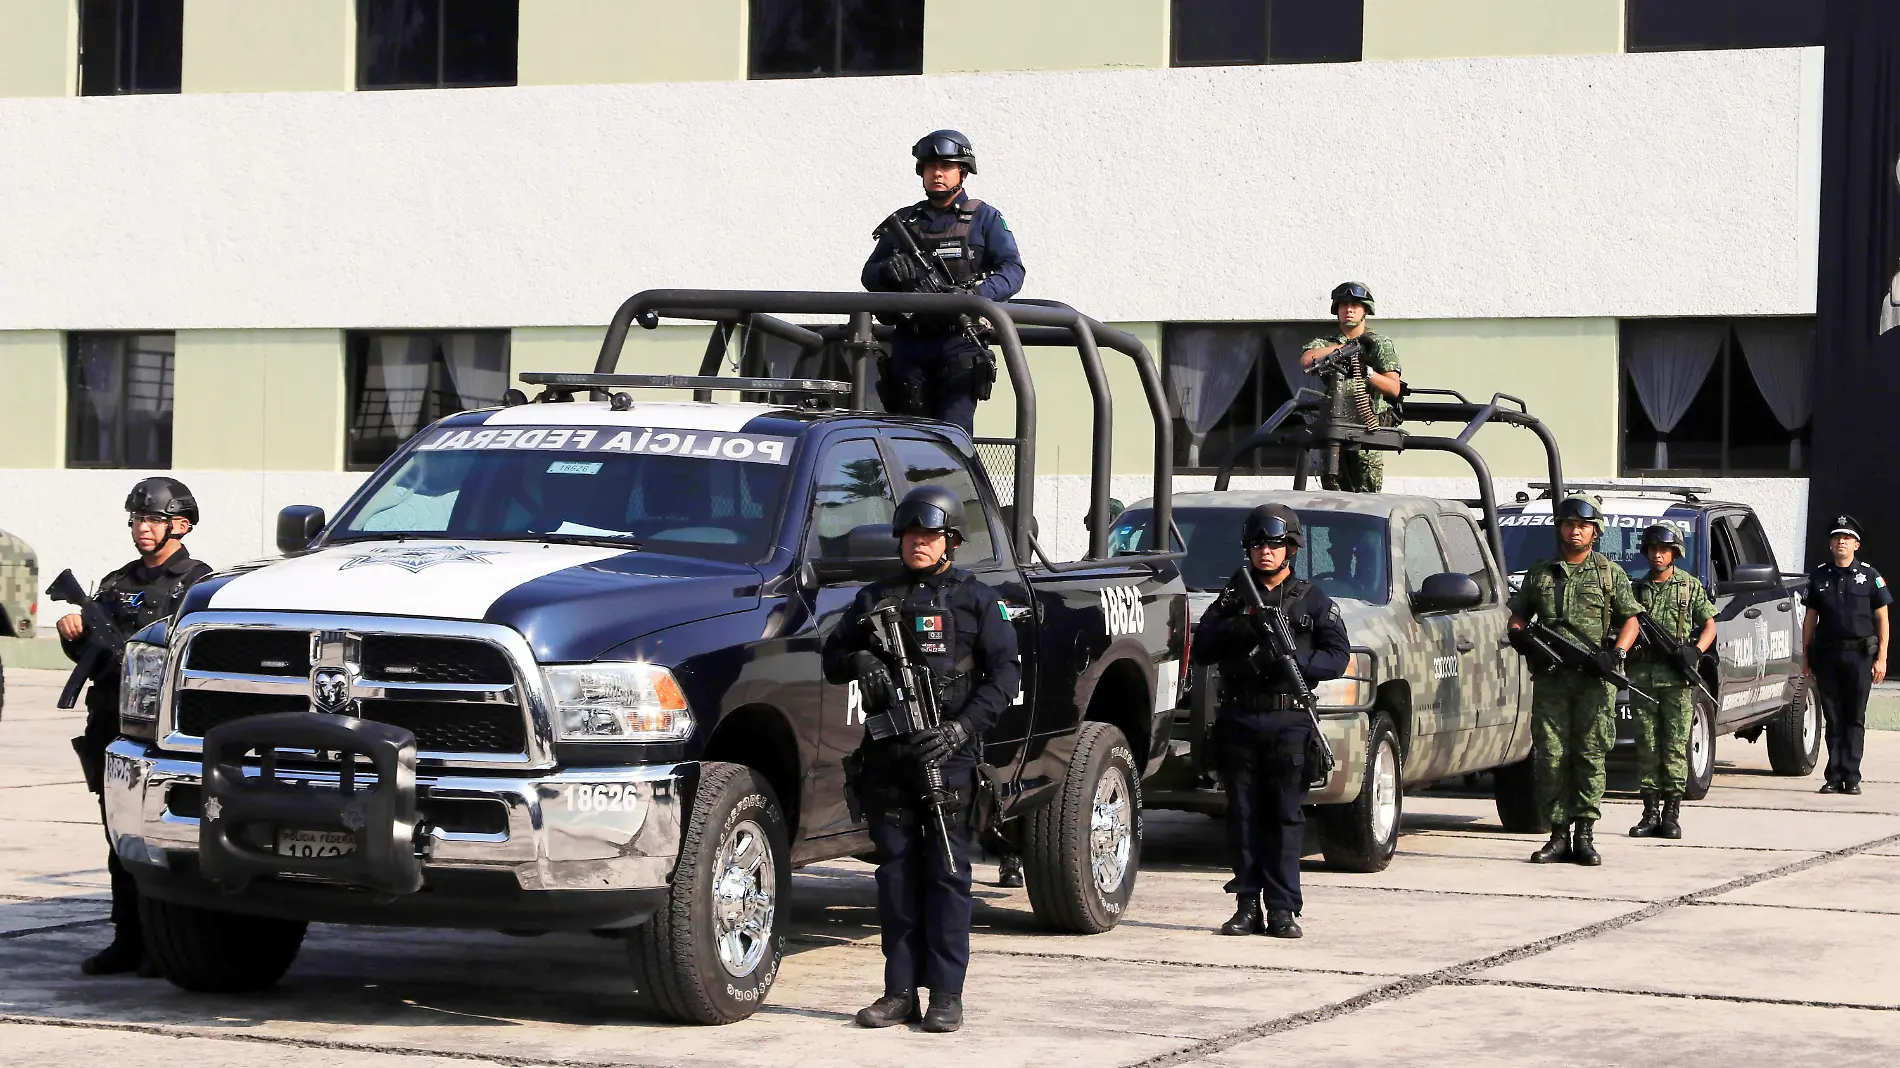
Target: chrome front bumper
[(581, 829)]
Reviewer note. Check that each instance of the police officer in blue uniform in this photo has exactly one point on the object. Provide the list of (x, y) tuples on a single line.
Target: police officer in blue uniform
[(964, 635), (159, 512), (1260, 736), (935, 369), (1845, 638)]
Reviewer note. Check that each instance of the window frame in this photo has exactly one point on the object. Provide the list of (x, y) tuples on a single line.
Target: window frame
[(441, 55), (355, 379), (112, 73), (812, 542), (836, 66), (1731, 37), (1405, 551), (1725, 371), (999, 558), (1266, 42), (1262, 462), (168, 387), (1488, 585)]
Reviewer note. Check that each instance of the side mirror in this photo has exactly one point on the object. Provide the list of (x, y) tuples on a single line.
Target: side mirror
[(869, 551), (1746, 577), (297, 526), (1449, 592)]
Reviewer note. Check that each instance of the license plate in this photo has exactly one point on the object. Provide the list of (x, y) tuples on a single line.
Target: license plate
[(295, 842)]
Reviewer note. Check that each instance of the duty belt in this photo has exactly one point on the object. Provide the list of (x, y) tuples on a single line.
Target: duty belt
[(1262, 702)]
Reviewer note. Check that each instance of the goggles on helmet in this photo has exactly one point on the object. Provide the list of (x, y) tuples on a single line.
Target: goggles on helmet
[(926, 516), (1578, 508), (1270, 531)]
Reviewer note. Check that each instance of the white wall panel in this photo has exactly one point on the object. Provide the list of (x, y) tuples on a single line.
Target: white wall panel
[(1557, 186)]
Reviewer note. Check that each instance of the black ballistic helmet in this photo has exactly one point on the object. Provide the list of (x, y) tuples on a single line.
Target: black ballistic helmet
[(947, 145), (930, 508), (162, 496), (1663, 534), (1271, 524), (1355, 292)]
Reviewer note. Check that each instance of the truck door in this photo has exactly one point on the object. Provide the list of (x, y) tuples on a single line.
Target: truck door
[(851, 502), (1734, 631), (1770, 614), (1486, 681), (932, 461), (1433, 666)]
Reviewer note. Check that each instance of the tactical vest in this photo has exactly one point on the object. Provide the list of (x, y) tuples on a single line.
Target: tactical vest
[(932, 628), (950, 245), (1238, 680)]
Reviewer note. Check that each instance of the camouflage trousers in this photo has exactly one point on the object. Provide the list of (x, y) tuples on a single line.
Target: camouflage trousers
[(1359, 472), (1572, 730), (1662, 738)]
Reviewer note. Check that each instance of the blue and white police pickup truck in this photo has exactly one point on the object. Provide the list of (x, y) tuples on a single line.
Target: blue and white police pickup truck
[(555, 665), (1755, 669)]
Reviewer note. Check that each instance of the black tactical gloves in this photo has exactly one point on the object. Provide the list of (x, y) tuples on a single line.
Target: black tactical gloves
[(1691, 658), (875, 689), (1609, 660), (900, 270), (941, 742)]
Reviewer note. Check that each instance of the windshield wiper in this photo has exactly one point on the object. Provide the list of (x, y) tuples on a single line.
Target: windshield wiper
[(630, 544)]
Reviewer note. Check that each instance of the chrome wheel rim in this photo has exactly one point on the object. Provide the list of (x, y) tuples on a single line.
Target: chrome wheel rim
[(1385, 790), (1699, 746), (1111, 830), (745, 887), (1810, 721)]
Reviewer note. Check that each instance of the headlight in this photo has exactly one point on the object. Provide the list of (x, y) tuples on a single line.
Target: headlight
[(138, 689), (1353, 690), (617, 703)]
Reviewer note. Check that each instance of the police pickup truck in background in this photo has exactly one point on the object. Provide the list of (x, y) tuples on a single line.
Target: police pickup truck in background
[(556, 666), (1756, 667)]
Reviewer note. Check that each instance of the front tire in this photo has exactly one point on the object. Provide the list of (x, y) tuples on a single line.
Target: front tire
[(1363, 834), (1701, 750), (1794, 736), (711, 954), (1082, 850), (210, 952), (1516, 789)]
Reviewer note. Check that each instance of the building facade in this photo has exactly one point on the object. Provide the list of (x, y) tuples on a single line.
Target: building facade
[(255, 245)]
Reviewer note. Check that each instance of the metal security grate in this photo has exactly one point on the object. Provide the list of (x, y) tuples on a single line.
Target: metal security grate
[(447, 727), (998, 457), (416, 658), (201, 710)]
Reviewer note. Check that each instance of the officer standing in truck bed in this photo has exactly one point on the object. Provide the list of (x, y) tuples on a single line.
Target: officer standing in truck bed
[(1845, 638)]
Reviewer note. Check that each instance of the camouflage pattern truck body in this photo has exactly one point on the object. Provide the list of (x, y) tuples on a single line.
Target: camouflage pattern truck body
[(1431, 692), (19, 587)]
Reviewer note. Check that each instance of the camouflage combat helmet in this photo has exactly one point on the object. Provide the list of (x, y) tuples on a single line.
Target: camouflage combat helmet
[(1584, 507), (1357, 292), (1663, 534)]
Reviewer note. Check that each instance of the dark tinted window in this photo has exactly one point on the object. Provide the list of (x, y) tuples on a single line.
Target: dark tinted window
[(1423, 558), (130, 46), (1529, 537), (819, 38), (429, 44), (1345, 554), (1751, 542), (852, 491), (929, 463), (119, 400), (1676, 25), (1229, 32), (402, 382)]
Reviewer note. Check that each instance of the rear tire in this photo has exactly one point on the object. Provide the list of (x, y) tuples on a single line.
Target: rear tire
[(1082, 850), (1516, 788), (1794, 736), (711, 954), (1701, 750), (1363, 834), (210, 952)]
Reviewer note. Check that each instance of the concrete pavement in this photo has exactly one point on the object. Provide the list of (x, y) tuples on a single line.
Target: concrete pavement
[(1767, 936)]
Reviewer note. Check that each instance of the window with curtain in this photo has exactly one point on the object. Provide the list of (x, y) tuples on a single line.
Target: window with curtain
[(1211, 33), (119, 400), (1716, 396), (1686, 25), (402, 382), (832, 38), (130, 46), (436, 44), (1223, 380)]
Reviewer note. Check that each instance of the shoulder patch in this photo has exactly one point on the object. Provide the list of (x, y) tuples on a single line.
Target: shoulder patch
[(1880, 582)]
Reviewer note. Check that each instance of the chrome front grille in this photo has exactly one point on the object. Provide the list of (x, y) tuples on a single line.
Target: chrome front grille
[(470, 692)]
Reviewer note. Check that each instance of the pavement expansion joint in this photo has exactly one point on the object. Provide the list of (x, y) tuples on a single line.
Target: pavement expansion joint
[(1739, 999), (73, 925), (1455, 973), (1797, 908), (319, 1044)]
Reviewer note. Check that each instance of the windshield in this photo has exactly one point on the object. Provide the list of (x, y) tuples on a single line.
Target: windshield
[(1529, 538), (1345, 554), (689, 493)]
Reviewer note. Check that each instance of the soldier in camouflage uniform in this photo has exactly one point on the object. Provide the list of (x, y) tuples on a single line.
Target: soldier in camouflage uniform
[(1586, 596), (1676, 602), (1360, 471)]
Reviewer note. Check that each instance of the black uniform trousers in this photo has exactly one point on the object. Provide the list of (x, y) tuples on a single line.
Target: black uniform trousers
[(101, 728), (923, 903), (936, 372), (1261, 758), (1843, 675)]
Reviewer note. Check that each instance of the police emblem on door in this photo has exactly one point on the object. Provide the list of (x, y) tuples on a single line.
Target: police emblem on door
[(330, 690)]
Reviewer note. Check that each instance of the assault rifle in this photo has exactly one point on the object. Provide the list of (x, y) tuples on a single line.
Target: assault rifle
[(1276, 640), (1343, 364), (1674, 652), (1546, 647), (934, 277), (915, 709), (102, 640)]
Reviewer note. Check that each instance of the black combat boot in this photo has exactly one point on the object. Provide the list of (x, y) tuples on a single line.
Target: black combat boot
[(1583, 847), (1830, 787), (1671, 825), (1851, 788), (1646, 827), (946, 1012), (1246, 919), (1557, 849), (1281, 924), (1009, 871), (890, 1010), (116, 959)]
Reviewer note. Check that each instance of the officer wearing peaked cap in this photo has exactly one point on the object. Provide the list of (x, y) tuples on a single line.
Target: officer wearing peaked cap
[(935, 369), (1845, 640)]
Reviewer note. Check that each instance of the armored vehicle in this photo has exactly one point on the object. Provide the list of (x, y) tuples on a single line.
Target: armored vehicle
[(556, 666), (1755, 667)]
